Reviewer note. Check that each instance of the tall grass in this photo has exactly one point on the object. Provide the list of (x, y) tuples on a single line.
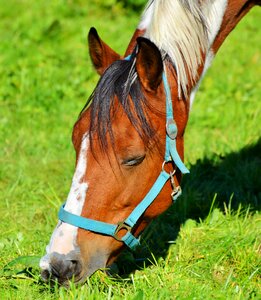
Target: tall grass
[(193, 251)]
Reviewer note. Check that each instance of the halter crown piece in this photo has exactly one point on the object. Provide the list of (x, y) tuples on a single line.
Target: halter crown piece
[(171, 154)]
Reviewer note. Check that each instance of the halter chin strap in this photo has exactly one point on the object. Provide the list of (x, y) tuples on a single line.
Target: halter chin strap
[(122, 231)]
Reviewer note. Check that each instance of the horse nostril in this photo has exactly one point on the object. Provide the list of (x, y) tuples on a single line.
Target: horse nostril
[(75, 267), (65, 269), (45, 274)]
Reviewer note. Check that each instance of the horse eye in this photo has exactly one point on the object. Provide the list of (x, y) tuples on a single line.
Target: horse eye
[(133, 161)]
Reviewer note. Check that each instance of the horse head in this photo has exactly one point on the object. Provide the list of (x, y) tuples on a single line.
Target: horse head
[(120, 142)]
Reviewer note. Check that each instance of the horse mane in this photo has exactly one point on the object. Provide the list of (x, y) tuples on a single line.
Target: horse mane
[(181, 29), (119, 79)]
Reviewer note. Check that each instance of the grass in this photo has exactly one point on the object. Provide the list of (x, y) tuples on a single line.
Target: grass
[(193, 251)]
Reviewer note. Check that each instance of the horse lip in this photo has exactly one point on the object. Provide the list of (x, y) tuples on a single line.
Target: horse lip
[(81, 278)]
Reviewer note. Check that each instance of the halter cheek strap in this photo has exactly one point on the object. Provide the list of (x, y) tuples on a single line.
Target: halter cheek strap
[(122, 230)]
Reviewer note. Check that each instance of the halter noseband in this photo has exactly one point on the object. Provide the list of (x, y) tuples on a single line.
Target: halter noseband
[(171, 154)]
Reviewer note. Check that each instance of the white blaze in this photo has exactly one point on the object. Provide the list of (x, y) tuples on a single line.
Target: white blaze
[(63, 239)]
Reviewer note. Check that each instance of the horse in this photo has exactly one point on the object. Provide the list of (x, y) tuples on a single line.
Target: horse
[(129, 137)]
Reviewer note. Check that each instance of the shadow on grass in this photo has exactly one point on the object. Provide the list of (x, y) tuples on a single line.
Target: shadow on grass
[(235, 178)]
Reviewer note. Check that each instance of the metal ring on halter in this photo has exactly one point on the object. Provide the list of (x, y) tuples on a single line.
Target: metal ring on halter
[(170, 173), (121, 226)]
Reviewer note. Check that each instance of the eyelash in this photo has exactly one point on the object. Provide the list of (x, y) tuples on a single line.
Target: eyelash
[(134, 161)]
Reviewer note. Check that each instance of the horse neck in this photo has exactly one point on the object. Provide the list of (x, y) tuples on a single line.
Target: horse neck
[(235, 11), (161, 24)]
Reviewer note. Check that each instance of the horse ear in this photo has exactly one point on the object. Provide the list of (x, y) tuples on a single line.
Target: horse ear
[(149, 64), (101, 54)]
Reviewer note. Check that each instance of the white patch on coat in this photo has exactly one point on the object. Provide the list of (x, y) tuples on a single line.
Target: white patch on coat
[(208, 61), (63, 239), (214, 12)]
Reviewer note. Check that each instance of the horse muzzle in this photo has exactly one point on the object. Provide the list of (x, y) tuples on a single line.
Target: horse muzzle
[(61, 268)]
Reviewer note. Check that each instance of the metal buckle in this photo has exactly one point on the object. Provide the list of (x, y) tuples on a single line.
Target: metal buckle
[(176, 190), (176, 193), (171, 129), (121, 226)]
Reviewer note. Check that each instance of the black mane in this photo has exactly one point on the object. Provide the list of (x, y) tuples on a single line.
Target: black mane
[(121, 80)]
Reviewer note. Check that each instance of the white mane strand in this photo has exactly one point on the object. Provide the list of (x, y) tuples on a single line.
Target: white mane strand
[(184, 30)]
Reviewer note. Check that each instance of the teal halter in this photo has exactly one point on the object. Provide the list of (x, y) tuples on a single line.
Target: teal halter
[(171, 154)]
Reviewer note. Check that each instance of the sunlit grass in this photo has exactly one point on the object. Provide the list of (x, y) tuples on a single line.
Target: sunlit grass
[(46, 77)]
